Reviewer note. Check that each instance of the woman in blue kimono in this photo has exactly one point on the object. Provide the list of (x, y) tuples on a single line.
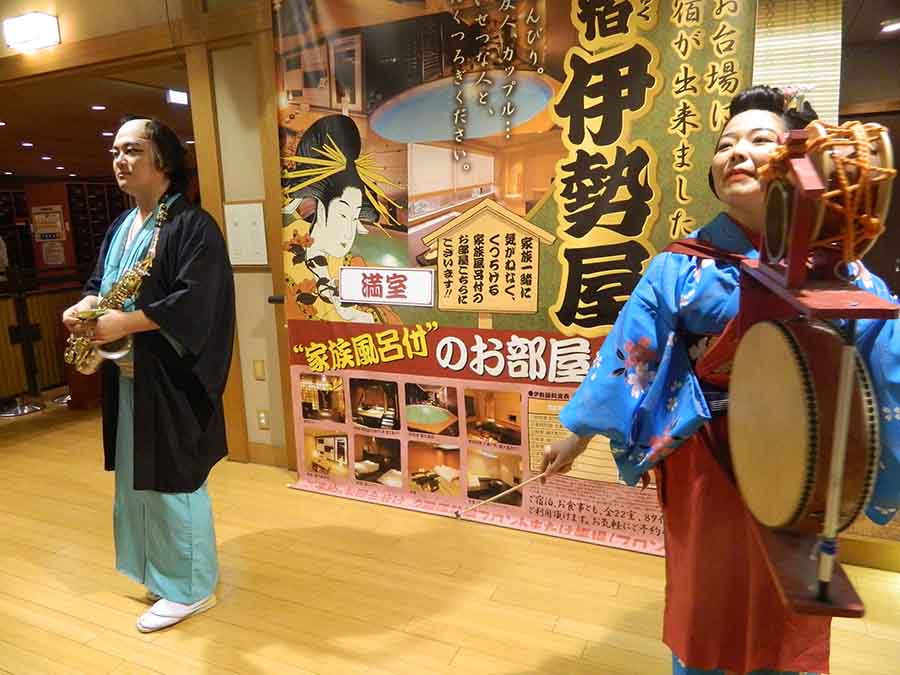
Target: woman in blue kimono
[(722, 613)]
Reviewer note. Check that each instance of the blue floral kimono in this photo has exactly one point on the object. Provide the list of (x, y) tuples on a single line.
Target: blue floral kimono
[(642, 393)]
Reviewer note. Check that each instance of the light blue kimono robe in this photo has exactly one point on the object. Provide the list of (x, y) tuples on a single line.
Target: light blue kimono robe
[(165, 541)]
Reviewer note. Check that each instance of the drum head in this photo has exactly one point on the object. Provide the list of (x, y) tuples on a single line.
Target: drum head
[(772, 424), (886, 160), (779, 208)]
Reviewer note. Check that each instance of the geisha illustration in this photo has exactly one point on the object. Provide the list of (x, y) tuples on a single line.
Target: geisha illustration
[(332, 192)]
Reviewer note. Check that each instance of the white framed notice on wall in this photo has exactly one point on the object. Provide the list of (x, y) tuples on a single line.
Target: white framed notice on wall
[(47, 223), (245, 228), (53, 253)]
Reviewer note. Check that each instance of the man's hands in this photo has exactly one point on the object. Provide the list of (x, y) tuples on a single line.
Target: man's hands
[(70, 317), (111, 326)]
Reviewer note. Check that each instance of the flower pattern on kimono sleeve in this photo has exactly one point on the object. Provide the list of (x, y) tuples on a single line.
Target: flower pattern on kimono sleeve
[(628, 391)]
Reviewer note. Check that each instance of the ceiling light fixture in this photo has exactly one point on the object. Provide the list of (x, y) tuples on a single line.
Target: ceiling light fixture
[(189, 142), (72, 175), (7, 173), (27, 144), (2, 124), (61, 168), (890, 25), (176, 97), (46, 157), (98, 107), (30, 32), (106, 133)]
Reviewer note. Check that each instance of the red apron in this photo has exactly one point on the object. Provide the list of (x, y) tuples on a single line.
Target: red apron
[(722, 607)]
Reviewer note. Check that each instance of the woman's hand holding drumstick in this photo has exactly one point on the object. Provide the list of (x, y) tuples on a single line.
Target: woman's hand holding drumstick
[(558, 458), (562, 453), (540, 476)]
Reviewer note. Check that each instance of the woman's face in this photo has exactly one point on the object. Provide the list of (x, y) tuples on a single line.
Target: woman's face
[(745, 145), (335, 233)]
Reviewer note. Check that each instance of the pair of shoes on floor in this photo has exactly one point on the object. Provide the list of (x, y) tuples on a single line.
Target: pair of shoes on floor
[(165, 613)]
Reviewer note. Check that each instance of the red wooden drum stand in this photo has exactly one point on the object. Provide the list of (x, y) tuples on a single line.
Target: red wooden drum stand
[(802, 423)]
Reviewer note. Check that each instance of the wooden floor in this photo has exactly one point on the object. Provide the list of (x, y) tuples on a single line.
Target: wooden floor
[(313, 584)]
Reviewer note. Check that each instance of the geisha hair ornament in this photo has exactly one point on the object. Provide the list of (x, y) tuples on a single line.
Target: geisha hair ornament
[(334, 161), (795, 95)]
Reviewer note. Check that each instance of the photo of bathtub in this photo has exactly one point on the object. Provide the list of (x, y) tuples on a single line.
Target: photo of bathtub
[(493, 417), (377, 460), (434, 468), (432, 409)]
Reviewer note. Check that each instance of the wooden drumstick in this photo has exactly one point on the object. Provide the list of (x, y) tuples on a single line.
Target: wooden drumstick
[(459, 514)]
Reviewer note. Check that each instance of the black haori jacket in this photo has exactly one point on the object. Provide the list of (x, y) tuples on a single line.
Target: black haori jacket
[(179, 424)]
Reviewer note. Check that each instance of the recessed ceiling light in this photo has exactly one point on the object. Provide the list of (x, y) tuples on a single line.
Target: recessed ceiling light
[(27, 144), (890, 25), (45, 157), (98, 107), (106, 133), (61, 168), (112, 150), (176, 97), (73, 175), (189, 142), (7, 173), (2, 124)]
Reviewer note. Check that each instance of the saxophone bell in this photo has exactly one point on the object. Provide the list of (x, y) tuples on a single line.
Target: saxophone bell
[(116, 349)]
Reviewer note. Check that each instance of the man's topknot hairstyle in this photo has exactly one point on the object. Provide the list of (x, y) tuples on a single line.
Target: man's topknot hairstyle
[(170, 153)]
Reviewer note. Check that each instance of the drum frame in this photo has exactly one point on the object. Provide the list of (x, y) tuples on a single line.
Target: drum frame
[(881, 184), (800, 201), (801, 338), (784, 289)]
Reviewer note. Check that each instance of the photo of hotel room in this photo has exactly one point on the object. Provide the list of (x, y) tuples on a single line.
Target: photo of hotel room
[(377, 460), (322, 398), (490, 473), (396, 79), (432, 409), (494, 416), (434, 468), (325, 454), (375, 404), (440, 190)]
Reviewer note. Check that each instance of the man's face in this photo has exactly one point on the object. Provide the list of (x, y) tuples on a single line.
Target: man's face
[(134, 159)]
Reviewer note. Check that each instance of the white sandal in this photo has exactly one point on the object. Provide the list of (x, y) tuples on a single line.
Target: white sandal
[(166, 613)]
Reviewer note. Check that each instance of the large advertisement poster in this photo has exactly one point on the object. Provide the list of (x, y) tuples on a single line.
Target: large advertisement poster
[(471, 189)]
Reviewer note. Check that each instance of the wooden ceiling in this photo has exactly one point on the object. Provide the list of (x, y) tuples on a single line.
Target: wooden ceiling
[(55, 114)]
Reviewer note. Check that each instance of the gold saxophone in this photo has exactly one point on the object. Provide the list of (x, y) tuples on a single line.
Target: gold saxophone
[(80, 352)]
